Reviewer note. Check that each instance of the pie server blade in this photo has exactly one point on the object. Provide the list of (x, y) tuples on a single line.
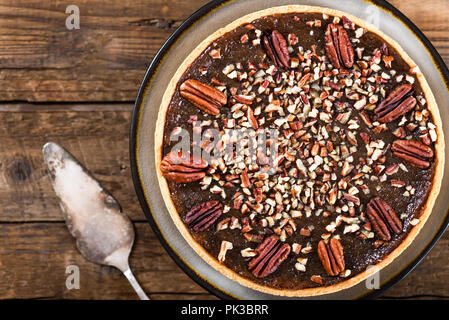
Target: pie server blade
[(103, 233)]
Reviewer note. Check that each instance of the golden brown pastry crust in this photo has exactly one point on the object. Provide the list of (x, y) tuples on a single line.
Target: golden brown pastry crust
[(427, 209)]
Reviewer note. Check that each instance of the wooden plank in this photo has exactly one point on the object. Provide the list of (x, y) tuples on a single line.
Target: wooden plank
[(59, 107), (65, 123), (176, 296), (431, 18), (430, 278), (33, 252), (105, 59), (25, 190), (34, 257), (99, 139)]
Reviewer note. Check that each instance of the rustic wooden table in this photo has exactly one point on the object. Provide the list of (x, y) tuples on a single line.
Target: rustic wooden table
[(77, 88)]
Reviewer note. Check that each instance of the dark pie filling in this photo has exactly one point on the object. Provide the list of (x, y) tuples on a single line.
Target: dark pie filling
[(406, 191)]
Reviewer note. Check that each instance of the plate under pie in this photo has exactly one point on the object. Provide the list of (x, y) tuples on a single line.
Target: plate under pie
[(359, 161)]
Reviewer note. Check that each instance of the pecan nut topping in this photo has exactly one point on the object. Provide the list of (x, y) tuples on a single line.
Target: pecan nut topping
[(399, 102), (339, 49), (204, 215), (183, 168), (276, 47), (203, 96), (331, 256), (383, 218), (270, 254), (413, 152)]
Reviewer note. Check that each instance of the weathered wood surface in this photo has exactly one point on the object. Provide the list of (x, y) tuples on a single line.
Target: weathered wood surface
[(430, 278), (104, 60), (36, 247), (40, 60), (34, 257), (98, 139)]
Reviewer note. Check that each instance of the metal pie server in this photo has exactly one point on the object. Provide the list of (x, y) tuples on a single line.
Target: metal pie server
[(103, 233)]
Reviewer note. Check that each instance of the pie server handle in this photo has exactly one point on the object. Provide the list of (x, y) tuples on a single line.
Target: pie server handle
[(129, 275)]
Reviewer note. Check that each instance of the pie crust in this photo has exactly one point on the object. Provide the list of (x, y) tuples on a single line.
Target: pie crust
[(212, 261)]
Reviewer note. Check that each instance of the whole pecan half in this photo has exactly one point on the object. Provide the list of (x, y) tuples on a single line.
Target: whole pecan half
[(183, 168), (331, 256), (203, 96), (413, 152), (276, 47), (270, 254), (339, 49), (203, 215), (399, 102), (383, 218)]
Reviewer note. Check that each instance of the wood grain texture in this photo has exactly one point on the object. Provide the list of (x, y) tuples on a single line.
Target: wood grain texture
[(99, 139), (430, 278), (106, 58), (59, 71), (34, 238), (34, 257)]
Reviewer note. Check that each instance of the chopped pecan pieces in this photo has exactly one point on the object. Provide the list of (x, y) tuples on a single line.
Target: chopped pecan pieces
[(224, 247), (276, 47), (399, 102), (331, 256), (203, 215), (383, 218), (183, 168), (338, 47), (413, 152), (317, 279), (347, 130), (270, 254), (203, 96)]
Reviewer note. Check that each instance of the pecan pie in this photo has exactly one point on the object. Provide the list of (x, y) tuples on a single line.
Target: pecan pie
[(358, 158)]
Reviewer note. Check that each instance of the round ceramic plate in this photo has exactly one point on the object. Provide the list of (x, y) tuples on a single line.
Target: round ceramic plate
[(199, 26)]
